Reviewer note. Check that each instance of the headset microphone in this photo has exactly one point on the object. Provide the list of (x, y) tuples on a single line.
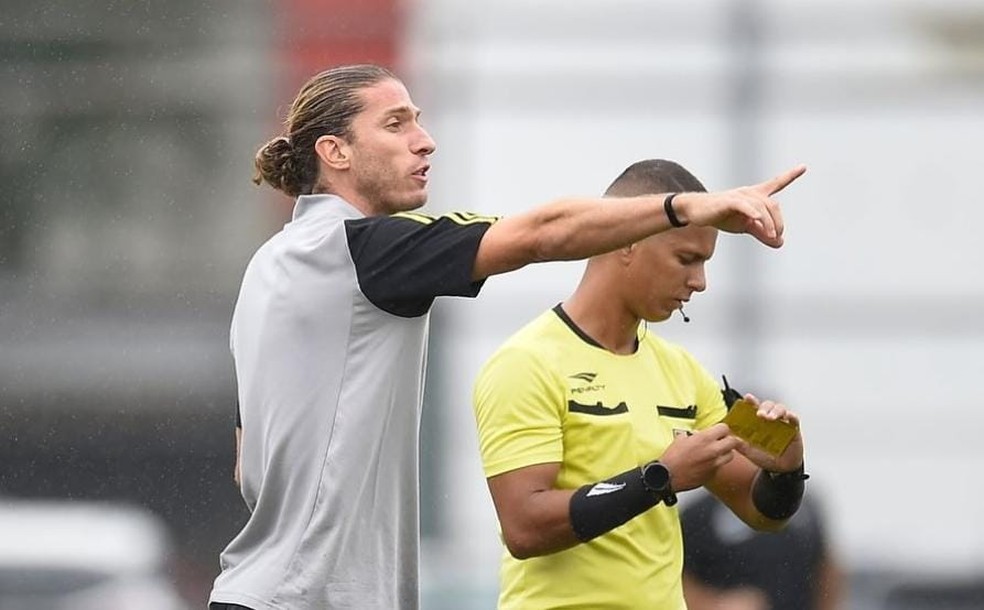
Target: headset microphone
[(682, 313)]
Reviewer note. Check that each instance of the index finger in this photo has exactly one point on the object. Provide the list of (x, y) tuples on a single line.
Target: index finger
[(717, 431), (783, 180)]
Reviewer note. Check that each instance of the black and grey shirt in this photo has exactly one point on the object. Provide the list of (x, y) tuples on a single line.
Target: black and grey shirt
[(329, 340)]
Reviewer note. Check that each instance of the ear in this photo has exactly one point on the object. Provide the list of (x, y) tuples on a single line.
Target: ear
[(333, 152), (626, 253)]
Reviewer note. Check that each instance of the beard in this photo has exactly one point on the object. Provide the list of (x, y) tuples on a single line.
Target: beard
[(381, 187)]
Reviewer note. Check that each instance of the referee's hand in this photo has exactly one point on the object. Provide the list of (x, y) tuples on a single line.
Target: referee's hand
[(792, 458), (694, 459)]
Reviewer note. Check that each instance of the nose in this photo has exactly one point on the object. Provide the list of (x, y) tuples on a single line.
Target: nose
[(423, 144), (697, 280)]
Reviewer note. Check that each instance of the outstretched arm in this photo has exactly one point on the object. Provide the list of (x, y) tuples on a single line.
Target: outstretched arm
[(571, 229)]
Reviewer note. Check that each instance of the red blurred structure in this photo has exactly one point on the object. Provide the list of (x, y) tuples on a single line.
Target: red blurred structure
[(317, 34), (314, 35)]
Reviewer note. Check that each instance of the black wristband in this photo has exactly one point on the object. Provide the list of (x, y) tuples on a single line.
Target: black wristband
[(778, 495), (670, 214), (597, 508)]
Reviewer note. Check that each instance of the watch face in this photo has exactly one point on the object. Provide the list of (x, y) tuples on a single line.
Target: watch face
[(657, 477)]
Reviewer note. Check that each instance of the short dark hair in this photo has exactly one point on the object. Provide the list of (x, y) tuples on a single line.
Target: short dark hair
[(325, 105), (654, 176)]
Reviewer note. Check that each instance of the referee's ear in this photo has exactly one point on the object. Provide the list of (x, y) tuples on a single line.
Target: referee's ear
[(626, 253)]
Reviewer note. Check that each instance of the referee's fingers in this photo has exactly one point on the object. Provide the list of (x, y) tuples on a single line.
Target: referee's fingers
[(717, 431)]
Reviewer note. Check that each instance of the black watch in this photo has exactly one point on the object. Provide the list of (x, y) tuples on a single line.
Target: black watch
[(656, 478)]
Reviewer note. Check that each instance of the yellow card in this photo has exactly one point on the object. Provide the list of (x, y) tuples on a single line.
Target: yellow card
[(768, 435)]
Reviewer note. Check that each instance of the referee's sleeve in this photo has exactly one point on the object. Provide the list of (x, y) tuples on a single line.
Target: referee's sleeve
[(519, 409)]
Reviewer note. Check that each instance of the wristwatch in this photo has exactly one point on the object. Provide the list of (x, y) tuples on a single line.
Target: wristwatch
[(656, 478)]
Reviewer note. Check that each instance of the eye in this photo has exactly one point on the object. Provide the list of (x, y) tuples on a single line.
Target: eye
[(393, 125)]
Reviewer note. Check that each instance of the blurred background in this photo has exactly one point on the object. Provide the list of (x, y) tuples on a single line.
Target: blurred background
[(127, 133)]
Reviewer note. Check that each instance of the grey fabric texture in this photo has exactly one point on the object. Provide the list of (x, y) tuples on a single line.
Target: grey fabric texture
[(330, 391)]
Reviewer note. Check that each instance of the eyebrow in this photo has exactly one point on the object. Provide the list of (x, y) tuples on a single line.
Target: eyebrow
[(404, 110), (694, 253)]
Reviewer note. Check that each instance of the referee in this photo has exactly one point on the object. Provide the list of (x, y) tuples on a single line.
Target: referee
[(590, 425)]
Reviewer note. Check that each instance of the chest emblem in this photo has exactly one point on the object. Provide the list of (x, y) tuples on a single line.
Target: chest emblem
[(584, 382)]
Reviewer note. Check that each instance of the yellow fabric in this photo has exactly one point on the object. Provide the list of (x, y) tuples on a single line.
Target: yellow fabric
[(523, 404)]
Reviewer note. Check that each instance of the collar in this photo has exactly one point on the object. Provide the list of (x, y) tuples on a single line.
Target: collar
[(322, 203)]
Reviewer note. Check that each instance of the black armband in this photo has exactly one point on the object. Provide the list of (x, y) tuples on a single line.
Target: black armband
[(778, 495), (597, 508)]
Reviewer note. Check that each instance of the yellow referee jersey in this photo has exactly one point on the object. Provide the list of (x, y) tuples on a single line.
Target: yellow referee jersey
[(550, 394)]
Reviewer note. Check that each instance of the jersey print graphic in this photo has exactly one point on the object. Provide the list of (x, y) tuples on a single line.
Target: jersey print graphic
[(461, 218), (586, 377), (584, 382), (688, 412), (597, 408), (605, 488)]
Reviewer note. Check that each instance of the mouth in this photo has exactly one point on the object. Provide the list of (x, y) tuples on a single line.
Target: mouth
[(421, 173)]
